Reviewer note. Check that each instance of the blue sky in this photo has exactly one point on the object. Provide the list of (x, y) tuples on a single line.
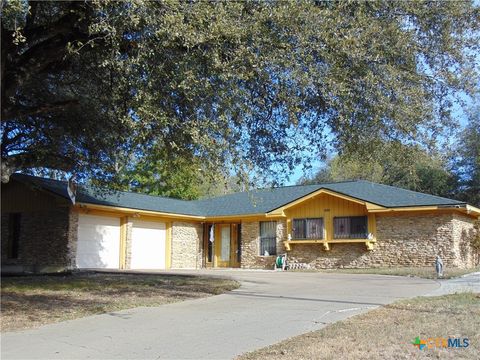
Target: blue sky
[(459, 114)]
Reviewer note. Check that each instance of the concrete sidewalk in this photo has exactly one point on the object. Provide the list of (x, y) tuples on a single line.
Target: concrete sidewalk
[(267, 308)]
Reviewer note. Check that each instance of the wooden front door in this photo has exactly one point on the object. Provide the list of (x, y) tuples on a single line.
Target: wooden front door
[(227, 245)]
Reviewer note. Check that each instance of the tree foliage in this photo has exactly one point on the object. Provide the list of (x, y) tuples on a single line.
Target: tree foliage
[(468, 161), (408, 167), (254, 86), (179, 178)]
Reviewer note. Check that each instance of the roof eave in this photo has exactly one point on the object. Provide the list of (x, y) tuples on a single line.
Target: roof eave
[(473, 210), (133, 211), (460, 207)]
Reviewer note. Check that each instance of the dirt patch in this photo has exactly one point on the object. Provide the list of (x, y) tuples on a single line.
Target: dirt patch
[(31, 301)]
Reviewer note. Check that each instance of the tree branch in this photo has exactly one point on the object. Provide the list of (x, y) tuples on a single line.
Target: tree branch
[(19, 112)]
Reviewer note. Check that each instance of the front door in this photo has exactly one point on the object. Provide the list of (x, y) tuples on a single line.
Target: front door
[(223, 245)]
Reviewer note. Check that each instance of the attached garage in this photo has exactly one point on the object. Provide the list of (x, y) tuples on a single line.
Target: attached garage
[(148, 245), (98, 242)]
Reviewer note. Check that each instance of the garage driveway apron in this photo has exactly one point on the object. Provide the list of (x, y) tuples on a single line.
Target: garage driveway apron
[(267, 308)]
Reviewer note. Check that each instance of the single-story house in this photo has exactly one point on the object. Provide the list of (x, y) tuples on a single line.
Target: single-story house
[(351, 224)]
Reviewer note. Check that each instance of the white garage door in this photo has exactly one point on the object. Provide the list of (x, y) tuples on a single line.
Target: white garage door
[(98, 244), (148, 245)]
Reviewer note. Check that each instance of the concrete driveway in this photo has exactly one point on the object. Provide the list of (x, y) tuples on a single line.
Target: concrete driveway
[(267, 308)]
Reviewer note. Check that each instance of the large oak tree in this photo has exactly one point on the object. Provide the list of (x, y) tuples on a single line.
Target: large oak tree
[(258, 86)]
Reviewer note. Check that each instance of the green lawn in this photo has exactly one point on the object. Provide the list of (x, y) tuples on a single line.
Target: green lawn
[(388, 332), (30, 301)]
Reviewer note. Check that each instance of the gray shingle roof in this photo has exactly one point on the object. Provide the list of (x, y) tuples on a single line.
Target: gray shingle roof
[(253, 202), (124, 199), (265, 200)]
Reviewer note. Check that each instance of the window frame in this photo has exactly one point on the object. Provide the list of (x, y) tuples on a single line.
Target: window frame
[(350, 235), (263, 239), (305, 224)]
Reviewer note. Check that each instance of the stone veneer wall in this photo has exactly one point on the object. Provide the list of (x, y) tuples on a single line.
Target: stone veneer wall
[(463, 232), (251, 258), (402, 240), (187, 245), (47, 241)]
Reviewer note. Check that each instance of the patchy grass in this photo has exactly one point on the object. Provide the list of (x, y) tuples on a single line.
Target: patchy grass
[(388, 332), (31, 301), (422, 272)]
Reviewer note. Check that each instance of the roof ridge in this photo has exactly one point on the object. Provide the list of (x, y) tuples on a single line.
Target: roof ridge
[(300, 185), (317, 184), (279, 187)]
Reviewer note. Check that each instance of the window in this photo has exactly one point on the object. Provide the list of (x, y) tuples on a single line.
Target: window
[(13, 235), (307, 228), (353, 227), (268, 238)]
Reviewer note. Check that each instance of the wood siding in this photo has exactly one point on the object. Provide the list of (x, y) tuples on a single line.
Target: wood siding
[(327, 207)]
